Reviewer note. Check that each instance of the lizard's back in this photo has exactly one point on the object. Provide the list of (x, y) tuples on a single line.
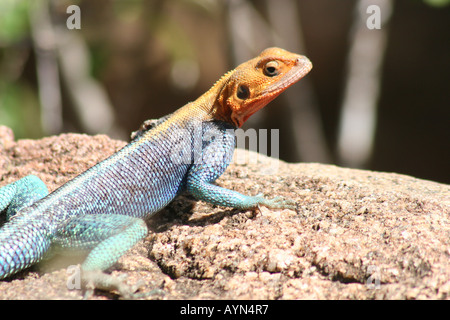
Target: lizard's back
[(140, 179)]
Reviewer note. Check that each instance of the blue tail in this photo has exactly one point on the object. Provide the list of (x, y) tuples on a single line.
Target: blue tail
[(22, 244)]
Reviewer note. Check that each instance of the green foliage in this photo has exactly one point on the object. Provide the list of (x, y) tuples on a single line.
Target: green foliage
[(19, 110), (437, 3), (13, 20), (19, 107)]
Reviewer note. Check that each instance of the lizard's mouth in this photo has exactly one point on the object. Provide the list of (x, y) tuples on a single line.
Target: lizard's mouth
[(301, 68)]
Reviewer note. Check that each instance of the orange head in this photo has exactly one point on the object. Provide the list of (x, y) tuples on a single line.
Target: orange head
[(253, 84)]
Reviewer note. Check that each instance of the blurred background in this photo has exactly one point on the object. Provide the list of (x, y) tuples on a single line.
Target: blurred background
[(377, 98)]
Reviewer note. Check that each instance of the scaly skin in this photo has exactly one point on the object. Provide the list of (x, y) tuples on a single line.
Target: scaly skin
[(103, 209)]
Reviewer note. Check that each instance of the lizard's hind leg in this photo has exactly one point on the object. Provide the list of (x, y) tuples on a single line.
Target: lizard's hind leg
[(108, 237), (20, 194)]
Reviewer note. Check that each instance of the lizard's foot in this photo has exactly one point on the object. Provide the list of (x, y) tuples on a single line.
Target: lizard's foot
[(276, 203), (96, 279)]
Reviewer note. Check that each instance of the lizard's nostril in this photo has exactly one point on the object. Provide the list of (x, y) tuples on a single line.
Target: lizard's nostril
[(303, 61)]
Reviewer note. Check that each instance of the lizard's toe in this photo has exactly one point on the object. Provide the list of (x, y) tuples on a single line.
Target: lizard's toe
[(279, 203)]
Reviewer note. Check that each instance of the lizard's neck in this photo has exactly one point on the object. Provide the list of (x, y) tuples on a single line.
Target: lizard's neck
[(208, 102)]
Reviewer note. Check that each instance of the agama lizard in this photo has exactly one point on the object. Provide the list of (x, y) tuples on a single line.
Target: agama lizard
[(103, 209)]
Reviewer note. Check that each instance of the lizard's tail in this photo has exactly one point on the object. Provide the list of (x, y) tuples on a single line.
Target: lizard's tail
[(22, 244)]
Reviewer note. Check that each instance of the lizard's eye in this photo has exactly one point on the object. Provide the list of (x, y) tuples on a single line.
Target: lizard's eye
[(243, 92), (271, 69)]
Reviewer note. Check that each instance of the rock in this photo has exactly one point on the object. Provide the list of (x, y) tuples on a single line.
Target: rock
[(356, 234)]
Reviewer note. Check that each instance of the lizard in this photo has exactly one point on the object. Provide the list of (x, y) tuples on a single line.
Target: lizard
[(103, 210)]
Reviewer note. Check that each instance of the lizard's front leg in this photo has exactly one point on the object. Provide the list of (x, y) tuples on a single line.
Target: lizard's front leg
[(206, 191), (217, 153)]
